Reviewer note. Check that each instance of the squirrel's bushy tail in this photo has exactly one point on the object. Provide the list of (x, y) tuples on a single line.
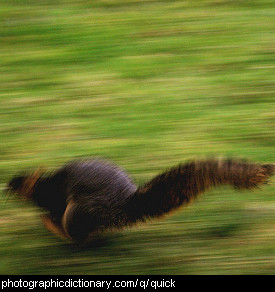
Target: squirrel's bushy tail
[(183, 183)]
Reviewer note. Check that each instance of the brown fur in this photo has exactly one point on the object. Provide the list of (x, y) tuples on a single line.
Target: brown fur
[(182, 184), (88, 196)]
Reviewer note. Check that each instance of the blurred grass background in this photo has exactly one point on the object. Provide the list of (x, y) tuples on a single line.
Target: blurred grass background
[(147, 84)]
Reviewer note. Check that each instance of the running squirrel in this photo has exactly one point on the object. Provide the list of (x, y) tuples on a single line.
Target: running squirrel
[(91, 195)]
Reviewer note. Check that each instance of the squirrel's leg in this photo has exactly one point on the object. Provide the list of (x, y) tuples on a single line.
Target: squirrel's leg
[(76, 222), (74, 225), (53, 226)]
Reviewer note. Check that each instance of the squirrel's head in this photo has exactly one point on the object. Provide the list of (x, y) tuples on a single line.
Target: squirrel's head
[(23, 185)]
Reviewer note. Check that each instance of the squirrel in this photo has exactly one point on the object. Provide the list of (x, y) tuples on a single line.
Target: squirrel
[(88, 196)]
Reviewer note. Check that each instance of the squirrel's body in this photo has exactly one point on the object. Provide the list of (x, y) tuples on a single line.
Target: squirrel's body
[(91, 195)]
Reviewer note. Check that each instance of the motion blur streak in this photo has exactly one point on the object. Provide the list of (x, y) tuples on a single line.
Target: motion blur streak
[(147, 84)]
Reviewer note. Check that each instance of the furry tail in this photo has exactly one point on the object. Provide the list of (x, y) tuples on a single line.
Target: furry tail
[(183, 183)]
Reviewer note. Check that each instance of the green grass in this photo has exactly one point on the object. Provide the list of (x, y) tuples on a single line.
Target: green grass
[(146, 84)]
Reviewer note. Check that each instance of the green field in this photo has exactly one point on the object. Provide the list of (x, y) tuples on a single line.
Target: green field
[(146, 84)]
